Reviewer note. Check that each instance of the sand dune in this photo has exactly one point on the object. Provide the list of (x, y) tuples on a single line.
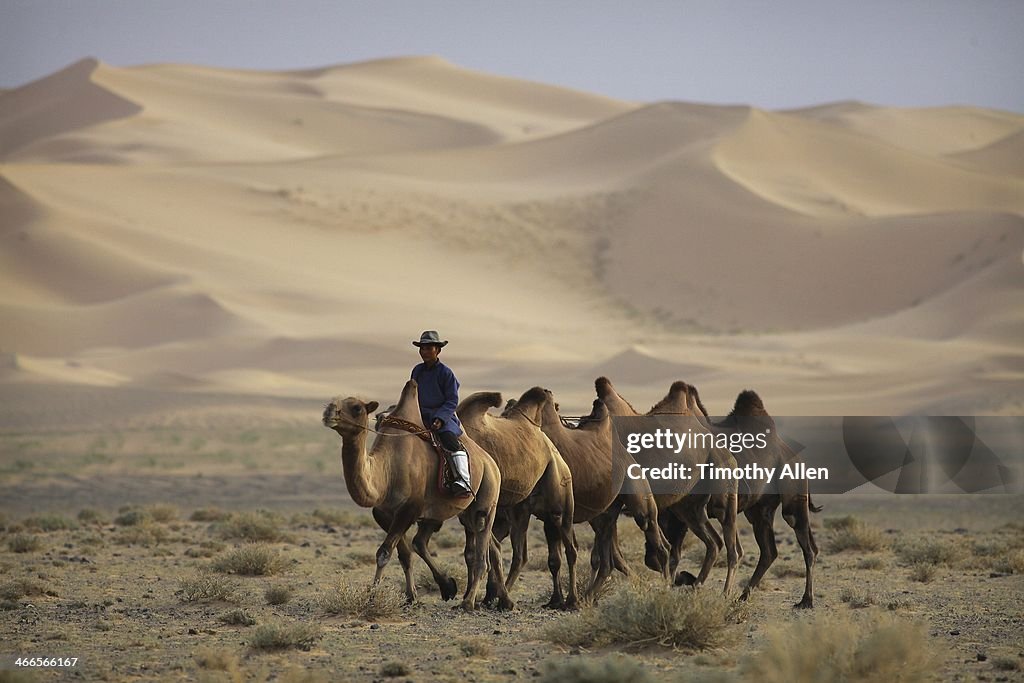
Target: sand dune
[(206, 230)]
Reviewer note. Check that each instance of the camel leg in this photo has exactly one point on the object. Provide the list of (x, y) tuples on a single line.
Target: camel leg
[(675, 532), (400, 523), (500, 531), (420, 543), (568, 538), (553, 537), (762, 518), (601, 561), (731, 538), (477, 523), (404, 555), (693, 511), (495, 575), (798, 517), (644, 509), (519, 522)]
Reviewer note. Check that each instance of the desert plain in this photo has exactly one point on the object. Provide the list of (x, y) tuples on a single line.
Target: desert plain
[(194, 260)]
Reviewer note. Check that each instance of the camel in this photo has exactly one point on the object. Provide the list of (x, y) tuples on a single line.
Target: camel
[(534, 480), (597, 484), (682, 503), (759, 506), (397, 478)]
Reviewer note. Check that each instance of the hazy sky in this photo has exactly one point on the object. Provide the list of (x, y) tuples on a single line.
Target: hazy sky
[(772, 53)]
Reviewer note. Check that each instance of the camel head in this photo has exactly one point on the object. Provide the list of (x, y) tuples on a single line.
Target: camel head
[(348, 416)]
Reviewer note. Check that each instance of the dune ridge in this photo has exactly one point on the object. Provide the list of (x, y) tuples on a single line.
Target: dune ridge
[(210, 230)]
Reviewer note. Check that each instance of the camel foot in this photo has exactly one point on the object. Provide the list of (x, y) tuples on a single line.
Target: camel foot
[(466, 606), (685, 578), (571, 606), (505, 604), (449, 589), (745, 595), (554, 603), (806, 603)]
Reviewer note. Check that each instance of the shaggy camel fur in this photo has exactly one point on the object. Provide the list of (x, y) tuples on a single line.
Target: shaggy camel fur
[(534, 480), (759, 505), (398, 479), (597, 480), (688, 507)]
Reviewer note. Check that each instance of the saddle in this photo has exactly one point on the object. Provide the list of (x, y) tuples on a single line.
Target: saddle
[(445, 474)]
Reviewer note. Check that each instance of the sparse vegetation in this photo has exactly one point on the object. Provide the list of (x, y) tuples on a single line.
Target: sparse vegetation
[(609, 669), (934, 552), (282, 636), (48, 523), (24, 543), (254, 527), (237, 617), (130, 516), (475, 647), (250, 560), (162, 513), (206, 587), (373, 602), (209, 514), (90, 516), (839, 648), (856, 598), (849, 533), (277, 595), (645, 614), (146, 535), (871, 563), (922, 572), (394, 669)]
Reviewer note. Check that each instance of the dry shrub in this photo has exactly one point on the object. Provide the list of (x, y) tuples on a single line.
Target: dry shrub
[(20, 588), (1011, 563), (849, 533), (281, 636), (131, 516), (24, 543), (922, 571), (90, 516), (475, 647), (237, 617), (205, 549), (250, 560), (876, 648), (277, 595), (209, 514), (611, 669), (48, 523), (640, 614), (145, 534), (930, 552), (373, 602), (162, 513), (217, 660), (394, 669), (870, 563), (206, 588), (1006, 663), (261, 526), (856, 598)]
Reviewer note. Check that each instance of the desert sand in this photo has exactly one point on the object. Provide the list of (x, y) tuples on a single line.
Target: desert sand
[(287, 234)]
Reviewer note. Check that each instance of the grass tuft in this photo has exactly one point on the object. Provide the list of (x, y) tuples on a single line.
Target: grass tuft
[(206, 588), (856, 598), (849, 533), (475, 647), (237, 617), (250, 560), (277, 595), (24, 543), (614, 668), (922, 572), (878, 647), (209, 514), (254, 527), (281, 636), (641, 614), (374, 602), (937, 552), (394, 670)]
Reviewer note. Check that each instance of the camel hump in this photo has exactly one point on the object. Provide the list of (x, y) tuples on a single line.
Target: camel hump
[(408, 406), (679, 387), (694, 397), (749, 403), (532, 396), (603, 386), (477, 404)]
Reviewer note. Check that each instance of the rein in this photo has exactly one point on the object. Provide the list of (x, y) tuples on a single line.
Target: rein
[(412, 428)]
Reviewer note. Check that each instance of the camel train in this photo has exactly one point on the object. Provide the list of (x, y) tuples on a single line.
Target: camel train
[(530, 461)]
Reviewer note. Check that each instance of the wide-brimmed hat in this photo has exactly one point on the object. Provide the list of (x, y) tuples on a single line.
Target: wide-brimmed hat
[(430, 337)]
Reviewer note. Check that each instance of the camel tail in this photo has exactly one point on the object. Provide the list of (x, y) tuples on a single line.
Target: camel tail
[(811, 506)]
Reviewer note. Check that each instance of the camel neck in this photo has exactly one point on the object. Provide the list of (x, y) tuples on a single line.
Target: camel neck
[(360, 471)]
